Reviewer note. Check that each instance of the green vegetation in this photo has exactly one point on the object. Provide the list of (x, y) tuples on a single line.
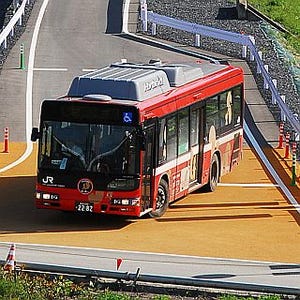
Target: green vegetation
[(286, 13), (22, 286)]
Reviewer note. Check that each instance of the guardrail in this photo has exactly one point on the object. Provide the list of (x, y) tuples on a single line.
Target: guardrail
[(170, 281), (247, 42), (15, 20)]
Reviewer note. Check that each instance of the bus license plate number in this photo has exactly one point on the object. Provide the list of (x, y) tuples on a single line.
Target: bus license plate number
[(84, 207)]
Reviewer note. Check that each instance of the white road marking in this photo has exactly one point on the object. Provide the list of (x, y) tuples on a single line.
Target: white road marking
[(29, 87), (50, 69), (255, 185), (89, 70)]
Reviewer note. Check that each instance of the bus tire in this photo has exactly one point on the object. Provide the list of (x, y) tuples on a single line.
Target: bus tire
[(162, 200), (214, 174)]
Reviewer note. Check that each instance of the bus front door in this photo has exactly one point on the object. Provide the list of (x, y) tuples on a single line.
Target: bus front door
[(148, 161)]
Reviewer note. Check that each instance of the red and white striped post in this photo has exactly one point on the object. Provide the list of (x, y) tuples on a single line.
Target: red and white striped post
[(6, 140), (287, 145), (280, 140)]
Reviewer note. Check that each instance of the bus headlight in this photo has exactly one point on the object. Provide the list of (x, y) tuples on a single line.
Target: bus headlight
[(125, 202)]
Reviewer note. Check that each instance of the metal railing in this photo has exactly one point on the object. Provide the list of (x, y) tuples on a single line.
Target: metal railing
[(247, 42), (16, 20), (174, 281)]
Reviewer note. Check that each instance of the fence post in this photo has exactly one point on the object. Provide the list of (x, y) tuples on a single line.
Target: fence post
[(144, 15), (283, 116), (273, 97), (253, 42), (153, 29), (197, 40), (266, 85), (244, 51), (258, 70)]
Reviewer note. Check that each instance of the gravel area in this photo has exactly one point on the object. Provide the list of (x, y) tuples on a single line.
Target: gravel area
[(222, 14)]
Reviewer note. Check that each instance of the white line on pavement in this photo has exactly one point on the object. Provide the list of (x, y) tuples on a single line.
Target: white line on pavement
[(254, 185), (29, 86), (50, 69), (88, 70)]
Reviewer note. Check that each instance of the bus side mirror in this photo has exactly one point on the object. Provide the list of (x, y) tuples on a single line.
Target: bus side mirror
[(142, 142), (35, 134)]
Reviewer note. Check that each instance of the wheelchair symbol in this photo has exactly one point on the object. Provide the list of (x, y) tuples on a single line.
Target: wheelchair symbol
[(127, 117)]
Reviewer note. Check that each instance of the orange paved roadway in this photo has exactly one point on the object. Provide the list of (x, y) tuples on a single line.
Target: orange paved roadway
[(243, 222)]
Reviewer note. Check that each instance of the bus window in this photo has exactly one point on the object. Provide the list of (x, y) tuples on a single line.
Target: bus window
[(212, 113), (183, 131), (237, 104), (225, 112), (162, 151), (171, 138), (194, 133)]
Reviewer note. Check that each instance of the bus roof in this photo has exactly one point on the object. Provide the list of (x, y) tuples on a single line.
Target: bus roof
[(139, 82)]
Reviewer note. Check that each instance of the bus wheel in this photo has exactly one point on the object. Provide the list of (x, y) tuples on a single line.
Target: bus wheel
[(214, 174), (162, 200)]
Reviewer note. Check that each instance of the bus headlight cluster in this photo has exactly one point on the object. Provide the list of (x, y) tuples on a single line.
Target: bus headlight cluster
[(125, 202), (47, 196)]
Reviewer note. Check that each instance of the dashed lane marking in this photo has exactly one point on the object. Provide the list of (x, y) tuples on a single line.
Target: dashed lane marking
[(88, 70), (50, 69)]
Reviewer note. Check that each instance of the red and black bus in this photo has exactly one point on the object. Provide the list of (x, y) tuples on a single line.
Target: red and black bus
[(130, 138)]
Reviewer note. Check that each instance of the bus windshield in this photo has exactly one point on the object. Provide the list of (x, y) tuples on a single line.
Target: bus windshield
[(98, 148)]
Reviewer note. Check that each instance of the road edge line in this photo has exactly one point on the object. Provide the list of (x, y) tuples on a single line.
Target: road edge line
[(29, 87)]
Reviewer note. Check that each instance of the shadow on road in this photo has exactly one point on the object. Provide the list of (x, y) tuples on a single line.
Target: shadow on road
[(18, 213), (114, 17)]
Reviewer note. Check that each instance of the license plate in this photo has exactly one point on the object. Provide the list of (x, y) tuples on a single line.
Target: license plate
[(84, 207)]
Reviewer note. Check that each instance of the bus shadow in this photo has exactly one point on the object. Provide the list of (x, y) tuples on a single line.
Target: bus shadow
[(223, 205), (19, 215), (214, 218)]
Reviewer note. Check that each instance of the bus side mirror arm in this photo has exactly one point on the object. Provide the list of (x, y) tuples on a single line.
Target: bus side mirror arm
[(142, 140), (35, 134), (143, 143)]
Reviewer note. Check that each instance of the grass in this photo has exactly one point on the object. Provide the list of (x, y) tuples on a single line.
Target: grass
[(21, 286), (286, 13)]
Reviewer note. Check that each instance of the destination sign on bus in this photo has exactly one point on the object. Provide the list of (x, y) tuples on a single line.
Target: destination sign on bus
[(81, 112)]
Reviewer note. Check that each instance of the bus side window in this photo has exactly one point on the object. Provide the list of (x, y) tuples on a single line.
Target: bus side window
[(162, 151), (194, 133), (171, 138), (183, 131), (212, 113), (237, 104), (225, 108)]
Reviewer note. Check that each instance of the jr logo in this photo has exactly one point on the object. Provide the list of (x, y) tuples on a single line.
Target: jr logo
[(48, 179)]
